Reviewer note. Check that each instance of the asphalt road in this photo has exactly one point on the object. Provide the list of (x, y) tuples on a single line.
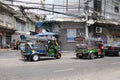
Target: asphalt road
[(13, 67)]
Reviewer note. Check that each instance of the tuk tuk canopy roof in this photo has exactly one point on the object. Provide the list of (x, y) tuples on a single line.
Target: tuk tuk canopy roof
[(32, 37), (45, 34), (39, 38)]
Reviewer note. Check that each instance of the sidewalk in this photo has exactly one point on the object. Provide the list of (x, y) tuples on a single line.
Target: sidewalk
[(5, 49)]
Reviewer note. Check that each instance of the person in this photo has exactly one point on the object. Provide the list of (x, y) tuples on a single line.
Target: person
[(40, 45), (17, 44), (28, 49), (101, 46), (8, 45), (13, 44)]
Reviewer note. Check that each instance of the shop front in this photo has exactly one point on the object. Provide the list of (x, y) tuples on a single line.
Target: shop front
[(107, 32), (116, 35), (5, 36)]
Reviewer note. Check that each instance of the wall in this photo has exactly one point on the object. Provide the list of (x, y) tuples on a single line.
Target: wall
[(107, 13), (7, 26), (108, 9), (65, 45)]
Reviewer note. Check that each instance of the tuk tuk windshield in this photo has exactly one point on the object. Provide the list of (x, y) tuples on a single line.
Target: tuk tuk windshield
[(88, 44)]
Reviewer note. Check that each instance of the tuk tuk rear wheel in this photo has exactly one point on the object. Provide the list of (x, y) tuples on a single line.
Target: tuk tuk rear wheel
[(92, 56), (102, 56), (58, 56), (35, 57), (77, 55)]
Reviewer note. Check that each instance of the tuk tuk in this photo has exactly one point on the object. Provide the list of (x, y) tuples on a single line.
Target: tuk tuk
[(89, 48), (35, 47)]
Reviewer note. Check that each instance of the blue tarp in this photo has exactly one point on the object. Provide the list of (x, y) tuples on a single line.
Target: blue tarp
[(22, 37), (39, 24), (45, 34)]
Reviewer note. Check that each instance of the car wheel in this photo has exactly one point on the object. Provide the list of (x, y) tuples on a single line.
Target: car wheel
[(92, 56), (119, 53), (58, 55), (35, 57)]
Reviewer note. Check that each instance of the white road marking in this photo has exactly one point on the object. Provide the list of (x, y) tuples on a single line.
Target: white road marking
[(116, 63), (63, 70)]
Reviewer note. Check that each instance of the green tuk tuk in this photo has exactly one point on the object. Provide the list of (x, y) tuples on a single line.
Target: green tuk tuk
[(89, 48)]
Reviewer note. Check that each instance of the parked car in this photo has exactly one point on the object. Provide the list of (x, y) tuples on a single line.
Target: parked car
[(112, 49)]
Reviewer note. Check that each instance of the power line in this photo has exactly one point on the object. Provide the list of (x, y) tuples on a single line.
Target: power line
[(54, 12), (72, 6), (59, 8), (47, 9), (37, 3), (24, 13)]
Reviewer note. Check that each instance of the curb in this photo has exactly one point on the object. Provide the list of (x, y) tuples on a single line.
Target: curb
[(5, 50)]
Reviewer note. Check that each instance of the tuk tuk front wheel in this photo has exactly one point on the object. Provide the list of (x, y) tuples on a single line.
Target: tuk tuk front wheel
[(58, 56), (35, 57), (77, 56), (27, 58)]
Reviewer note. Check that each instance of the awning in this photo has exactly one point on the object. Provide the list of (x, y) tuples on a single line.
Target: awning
[(5, 27), (8, 8), (22, 32), (39, 24), (109, 22), (68, 19), (45, 34)]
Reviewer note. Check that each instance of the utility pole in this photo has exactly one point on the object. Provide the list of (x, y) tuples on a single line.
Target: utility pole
[(86, 17)]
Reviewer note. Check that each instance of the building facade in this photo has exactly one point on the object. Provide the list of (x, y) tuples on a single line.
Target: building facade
[(13, 23), (7, 27), (98, 19), (23, 25)]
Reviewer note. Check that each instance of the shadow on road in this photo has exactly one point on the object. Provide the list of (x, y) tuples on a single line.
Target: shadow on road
[(41, 59), (87, 58)]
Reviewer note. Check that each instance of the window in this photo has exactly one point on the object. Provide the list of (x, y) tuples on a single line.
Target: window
[(71, 34), (72, 5), (2, 11), (1, 15), (8, 19), (97, 5), (18, 26), (22, 27), (116, 8), (1, 18)]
